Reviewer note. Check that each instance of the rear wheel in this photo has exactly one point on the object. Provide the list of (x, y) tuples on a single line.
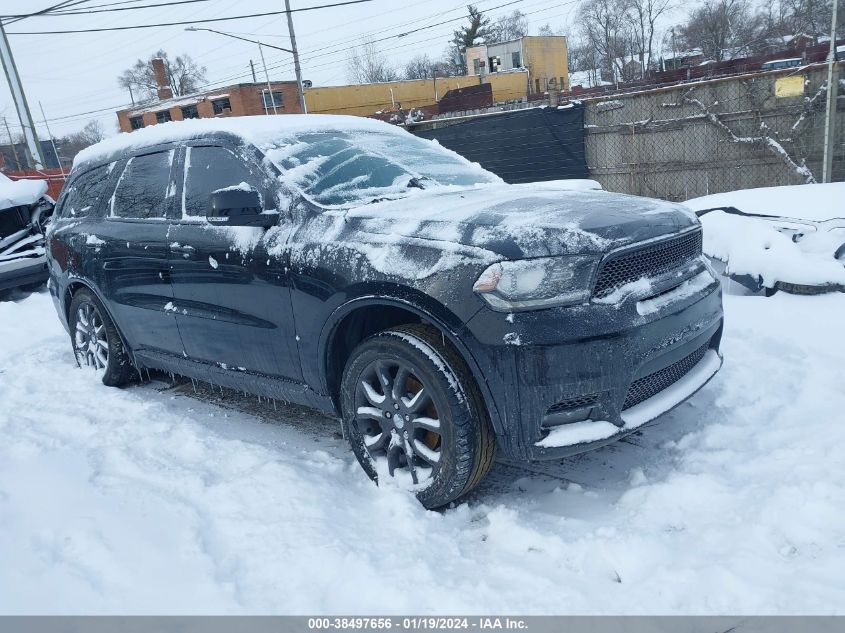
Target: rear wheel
[(96, 342), (411, 411)]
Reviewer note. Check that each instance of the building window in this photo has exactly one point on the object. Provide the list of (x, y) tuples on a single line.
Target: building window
[(515, 61), (163, 116), (220, 105), (276, 101), (476, 66), (562, 85), (537, 85), (190, 112), (136, 122)]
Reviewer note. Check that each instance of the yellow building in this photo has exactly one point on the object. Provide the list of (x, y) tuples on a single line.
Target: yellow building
[(545, 58), (366, 99)]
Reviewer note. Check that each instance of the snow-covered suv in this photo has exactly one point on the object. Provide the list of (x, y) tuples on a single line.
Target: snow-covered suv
[(345, 264)]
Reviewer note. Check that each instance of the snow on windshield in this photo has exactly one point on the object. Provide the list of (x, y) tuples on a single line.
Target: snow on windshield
[(338, 167)]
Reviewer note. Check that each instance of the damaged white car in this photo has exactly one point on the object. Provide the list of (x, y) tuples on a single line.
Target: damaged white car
[(777, 238), (25, 210)]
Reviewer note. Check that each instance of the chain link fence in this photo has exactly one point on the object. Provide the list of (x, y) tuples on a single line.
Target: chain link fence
[(705, 137)]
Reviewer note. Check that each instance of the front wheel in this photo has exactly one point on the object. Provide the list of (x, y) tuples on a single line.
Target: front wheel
[(96, 342), (412, 411)]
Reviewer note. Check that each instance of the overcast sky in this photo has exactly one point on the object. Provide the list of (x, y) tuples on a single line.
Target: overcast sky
[(72, 74)]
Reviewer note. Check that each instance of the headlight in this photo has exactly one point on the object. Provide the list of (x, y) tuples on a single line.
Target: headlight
[(537, 283)]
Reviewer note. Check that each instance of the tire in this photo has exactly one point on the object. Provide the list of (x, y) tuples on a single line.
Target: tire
[(96, 341), (406, 390)]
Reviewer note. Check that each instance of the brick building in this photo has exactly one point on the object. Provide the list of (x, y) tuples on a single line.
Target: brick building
[(236, 100)]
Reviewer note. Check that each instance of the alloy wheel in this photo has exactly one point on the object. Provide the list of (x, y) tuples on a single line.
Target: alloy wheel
[(90, 338), (398, 419)]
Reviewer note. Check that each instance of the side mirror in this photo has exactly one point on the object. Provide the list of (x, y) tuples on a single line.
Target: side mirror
[(239, 207)]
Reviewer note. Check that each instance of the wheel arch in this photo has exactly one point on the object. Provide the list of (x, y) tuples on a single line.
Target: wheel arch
[(73, 286), (360, 317)]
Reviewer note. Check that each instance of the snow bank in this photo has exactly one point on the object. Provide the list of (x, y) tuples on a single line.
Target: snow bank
[(14, 193), (146, 501)]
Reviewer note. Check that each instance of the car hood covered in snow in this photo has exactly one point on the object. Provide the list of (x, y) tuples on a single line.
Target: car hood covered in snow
[(17, 193), (527, 220)]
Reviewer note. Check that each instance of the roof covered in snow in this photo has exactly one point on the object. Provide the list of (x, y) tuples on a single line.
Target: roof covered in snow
[(261, 131)]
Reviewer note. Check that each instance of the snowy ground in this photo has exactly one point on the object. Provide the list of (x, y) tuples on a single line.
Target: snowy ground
[(152, 500)]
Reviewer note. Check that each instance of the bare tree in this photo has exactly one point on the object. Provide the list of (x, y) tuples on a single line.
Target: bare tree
[(606, 28), (547, 30), (418, 67), (509, 27), (452, 63), (644, 15), (184, 76), (70, 145), (367, 65), (803, 17), (723, 29)]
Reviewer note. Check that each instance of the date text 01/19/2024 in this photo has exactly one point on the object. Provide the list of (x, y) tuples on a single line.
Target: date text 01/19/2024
[(417, 623)]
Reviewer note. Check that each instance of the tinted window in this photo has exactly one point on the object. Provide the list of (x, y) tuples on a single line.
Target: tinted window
[(142, 187), (85, 192), (212, 168)]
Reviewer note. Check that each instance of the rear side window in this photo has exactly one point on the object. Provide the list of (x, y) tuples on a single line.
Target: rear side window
[(143, 186), (210, 168), (85, 192)]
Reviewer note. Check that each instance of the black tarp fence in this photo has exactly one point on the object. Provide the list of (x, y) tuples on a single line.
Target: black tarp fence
[(536, 144)]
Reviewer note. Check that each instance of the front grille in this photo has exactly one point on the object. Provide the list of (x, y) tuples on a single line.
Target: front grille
[(648, 386), (649, 261), (573, 403)]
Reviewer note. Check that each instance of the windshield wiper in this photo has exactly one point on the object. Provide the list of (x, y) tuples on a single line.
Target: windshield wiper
[(416, 182)]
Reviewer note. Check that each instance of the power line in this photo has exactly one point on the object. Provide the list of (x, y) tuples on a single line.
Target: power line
[(150, 26), (87, 10), (66, 3)]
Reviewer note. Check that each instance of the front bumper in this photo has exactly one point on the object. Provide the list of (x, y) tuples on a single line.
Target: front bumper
[(23, 271), (584, 376)]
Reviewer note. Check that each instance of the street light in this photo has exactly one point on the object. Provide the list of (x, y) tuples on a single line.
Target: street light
[(263, 63)]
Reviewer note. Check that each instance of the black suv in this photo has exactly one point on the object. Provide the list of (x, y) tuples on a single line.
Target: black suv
[(344, 264)]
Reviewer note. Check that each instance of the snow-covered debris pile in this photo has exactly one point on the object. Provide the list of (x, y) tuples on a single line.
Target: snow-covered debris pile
[(16, 193), (778, 235)]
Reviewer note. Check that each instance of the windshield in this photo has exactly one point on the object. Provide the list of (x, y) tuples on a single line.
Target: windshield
[(340, 168)]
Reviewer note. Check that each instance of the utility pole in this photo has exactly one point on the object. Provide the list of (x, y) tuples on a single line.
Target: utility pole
[(267, 77), (52, 140), (832, 91), (12, 144), (252, 68), (18, 96), (296, 67)]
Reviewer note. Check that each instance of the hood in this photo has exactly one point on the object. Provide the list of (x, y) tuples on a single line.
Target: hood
[(525, 220), (18, 193)]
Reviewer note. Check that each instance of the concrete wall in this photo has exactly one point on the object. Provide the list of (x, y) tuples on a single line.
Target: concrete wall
[(365, 99), (654, 143)]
